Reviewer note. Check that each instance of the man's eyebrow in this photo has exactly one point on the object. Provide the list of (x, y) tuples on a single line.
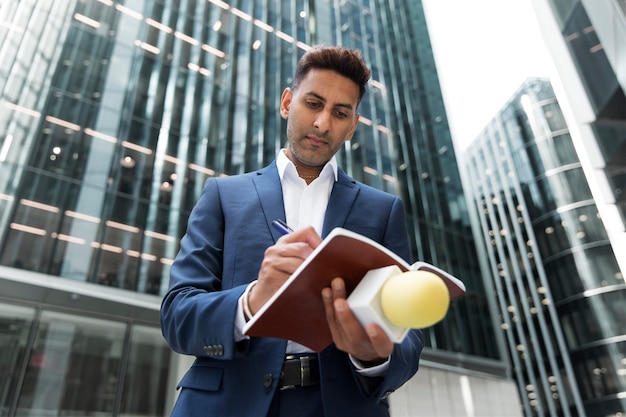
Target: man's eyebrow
[(348, 106)]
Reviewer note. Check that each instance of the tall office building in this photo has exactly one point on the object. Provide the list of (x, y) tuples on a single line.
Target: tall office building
[(586, 39), (112, 116), (559, 286)]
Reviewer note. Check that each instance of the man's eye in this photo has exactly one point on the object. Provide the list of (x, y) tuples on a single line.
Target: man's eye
[(341, 114), (313, 104)]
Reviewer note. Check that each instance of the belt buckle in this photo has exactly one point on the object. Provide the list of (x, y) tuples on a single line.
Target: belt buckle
[(305, 371)]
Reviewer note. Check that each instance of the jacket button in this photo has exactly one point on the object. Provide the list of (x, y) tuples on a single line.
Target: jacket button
[(267, 380), (214, 350)]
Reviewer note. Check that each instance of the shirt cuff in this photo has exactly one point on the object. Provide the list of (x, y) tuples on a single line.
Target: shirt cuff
[(378, 370), (240, 318)]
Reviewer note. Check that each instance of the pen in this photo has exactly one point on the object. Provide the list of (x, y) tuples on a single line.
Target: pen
[(282, 227)]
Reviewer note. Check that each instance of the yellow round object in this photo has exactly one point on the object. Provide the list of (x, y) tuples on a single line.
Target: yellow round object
[(415, 299)]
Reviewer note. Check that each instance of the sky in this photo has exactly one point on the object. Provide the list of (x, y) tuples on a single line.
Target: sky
[(484, 50)]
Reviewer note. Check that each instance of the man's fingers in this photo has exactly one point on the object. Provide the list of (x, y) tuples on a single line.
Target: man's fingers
[(379, 339), (306, 235)]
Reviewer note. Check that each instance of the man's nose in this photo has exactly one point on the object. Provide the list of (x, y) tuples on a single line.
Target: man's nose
[(322, 121)]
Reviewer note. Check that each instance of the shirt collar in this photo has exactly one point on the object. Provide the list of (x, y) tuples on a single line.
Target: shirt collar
[(283, 164)]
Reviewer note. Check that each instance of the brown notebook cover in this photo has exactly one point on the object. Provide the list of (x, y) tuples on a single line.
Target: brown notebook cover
[(296, 311)]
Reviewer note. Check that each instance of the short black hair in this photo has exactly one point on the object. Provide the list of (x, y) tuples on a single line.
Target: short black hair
[(347, 62)]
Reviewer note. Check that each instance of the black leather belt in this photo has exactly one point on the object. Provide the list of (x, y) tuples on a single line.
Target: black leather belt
[(299, 371)]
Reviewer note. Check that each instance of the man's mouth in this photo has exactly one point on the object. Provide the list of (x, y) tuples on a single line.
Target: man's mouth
[(316, 140)]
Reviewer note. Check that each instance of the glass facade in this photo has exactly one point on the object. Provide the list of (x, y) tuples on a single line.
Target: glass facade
[(61, 363), (603, 89), (114, 113), (592, 34), (560, 289)]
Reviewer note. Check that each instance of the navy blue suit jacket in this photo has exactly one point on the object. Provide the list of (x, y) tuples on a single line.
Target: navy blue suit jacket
[(221, 252)]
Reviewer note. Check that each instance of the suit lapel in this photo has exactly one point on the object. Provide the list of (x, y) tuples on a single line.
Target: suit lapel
[(341, 200), (270, 194)]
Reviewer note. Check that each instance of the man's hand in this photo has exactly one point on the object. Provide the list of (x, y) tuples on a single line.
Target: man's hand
[(369, 345), (279, 262)]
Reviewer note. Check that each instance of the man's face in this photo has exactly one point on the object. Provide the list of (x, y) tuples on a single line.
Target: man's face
[(321, 115)]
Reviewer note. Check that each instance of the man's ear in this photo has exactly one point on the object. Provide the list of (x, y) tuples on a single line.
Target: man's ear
[(353, 129), (285, 102)]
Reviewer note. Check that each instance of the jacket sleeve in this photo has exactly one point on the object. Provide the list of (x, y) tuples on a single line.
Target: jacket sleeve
[(198, 311)]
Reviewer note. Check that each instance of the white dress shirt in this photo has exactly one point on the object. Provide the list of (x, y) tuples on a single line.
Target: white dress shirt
[(305, 205)]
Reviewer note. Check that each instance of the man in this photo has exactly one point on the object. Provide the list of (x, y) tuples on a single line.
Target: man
[(231, 261)]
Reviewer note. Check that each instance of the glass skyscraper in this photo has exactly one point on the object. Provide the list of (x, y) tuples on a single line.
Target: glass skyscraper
[(112, 116), (560, 290), (586, 39)]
